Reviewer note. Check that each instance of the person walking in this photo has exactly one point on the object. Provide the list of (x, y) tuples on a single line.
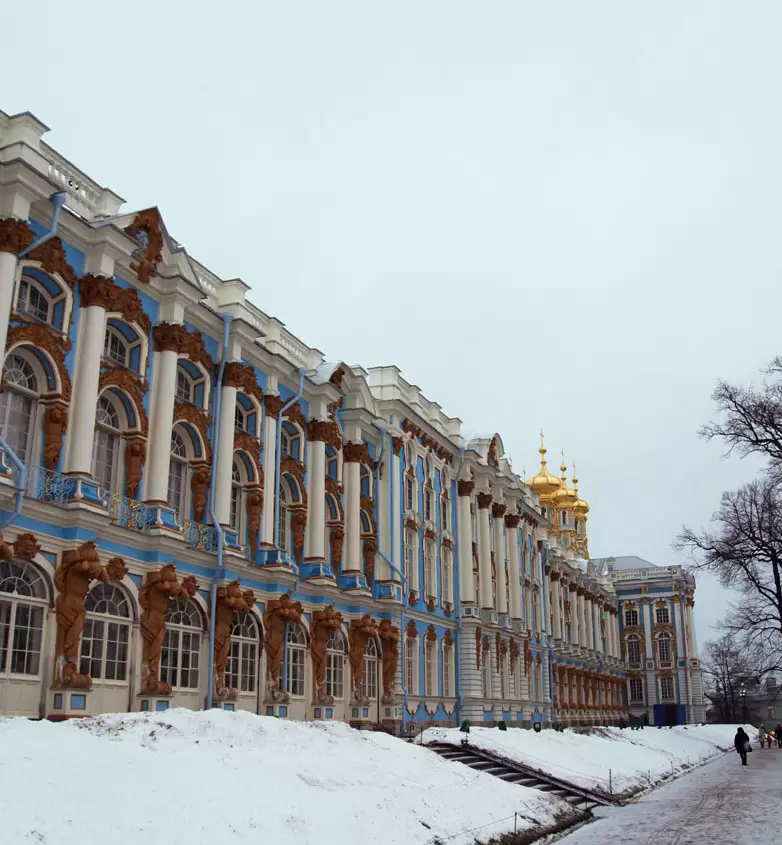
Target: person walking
[(762, 736), (778, 735), (741, 741)]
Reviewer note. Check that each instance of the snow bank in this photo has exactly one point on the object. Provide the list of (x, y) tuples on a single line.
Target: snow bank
[(633, 757), (220, 778)]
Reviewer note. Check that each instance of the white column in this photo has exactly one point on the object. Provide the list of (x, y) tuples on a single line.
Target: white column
[(693, 640), (225, 454), (86, 374), (396, 530), (555, 599), (648, 627), (484, 550), (161, 423), (617, 639), (15, 235), (582, 632), (351, 476), (466, 581), (590, 622), (528, 603), (575, 639), (272, 405), (316, 492), (512, 539), (498, 514)]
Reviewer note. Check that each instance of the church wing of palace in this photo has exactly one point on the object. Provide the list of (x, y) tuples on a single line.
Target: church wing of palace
[(199, 510)]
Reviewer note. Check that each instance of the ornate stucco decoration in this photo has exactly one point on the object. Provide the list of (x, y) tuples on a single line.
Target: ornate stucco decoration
[(231, 599), (199, 419), (325, 431), (254, 510), (389, 639), (242, 377), (360, 631), (279, 612), (336, 541), (26, 546), (130, 383), (356, 453), (157, 591), (72, 578), (322, 626), (55, 424), (51, 256), (147, 231), (174, 337), (44, 337), (105, 293), (15, 235)]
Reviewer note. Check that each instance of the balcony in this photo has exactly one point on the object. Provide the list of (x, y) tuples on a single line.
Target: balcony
[(44, 485)]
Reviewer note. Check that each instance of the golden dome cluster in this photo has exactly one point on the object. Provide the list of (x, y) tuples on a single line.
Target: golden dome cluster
[(555, 490)]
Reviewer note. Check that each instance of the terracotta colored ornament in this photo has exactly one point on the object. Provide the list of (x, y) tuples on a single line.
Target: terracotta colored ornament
[(360, 631), (199, 484), (26, 546), (155, 595), (135, 455), (279, 612), (55, 424), (324, 623), (298, 526), (72, 578), (230, 601), (254, 509), (389, 639)]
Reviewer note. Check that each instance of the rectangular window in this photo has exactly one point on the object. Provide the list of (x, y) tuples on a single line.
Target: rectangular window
[(295, 685), (176, 487), (240, 671), (446, 574), (445, 513), (430, 577), (411, 644), (634, 652), (631, 618), (428, 498), (104, 457), (20, 651), (430, 669), (447, 671), (664, 649), (369, 677), (409, 493), (666, 689), (184, 387), (335, 663), (636, 689), (410, 563), (662, 616)]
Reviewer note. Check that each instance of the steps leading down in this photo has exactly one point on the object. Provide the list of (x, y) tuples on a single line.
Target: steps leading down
[(513, 772)]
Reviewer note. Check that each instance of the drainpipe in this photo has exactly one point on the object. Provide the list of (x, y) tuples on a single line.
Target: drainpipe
[(21, 483), (277, 482), (58, 201), (219, 572), (457, 584), (392, 566)]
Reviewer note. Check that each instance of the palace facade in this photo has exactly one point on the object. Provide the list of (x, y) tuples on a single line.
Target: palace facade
[(198, 509)]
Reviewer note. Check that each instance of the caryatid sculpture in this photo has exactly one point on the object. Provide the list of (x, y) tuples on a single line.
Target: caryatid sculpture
[(324, 623), (72, 578), (389, 638), (278, 614), (230, 600), (360, 631), (154, 597)]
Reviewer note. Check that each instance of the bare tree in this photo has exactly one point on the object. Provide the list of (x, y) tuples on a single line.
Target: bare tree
[(728, 668), (751, 418), (745, 551)]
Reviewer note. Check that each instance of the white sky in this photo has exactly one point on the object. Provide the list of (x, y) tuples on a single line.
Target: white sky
[(553, 214)]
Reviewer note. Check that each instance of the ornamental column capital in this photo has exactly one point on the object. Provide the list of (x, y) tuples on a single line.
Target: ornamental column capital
[(465, 486), (96, 291), (498, 510), (512, 520), (273, 404), (355, 453), (484, 500), (397, 444), (15, 235)]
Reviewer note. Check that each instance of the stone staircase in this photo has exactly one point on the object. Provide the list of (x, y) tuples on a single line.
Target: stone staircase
[(513, 772)]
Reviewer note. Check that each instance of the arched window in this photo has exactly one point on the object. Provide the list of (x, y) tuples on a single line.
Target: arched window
[(664, 648), (411, 665), (445, 513), (33, 300), (105, 445), (369, 674), (106, 636), (184, 386), (17, 406), (335, 665), (448, 670), (236, 499), (428, 504), (283, 529), (430, 667), (289, 441), (240, 418), (242, 667), (332, 464), (115, 347), (564, 517), (634, 650), (296, 643), (23, 595), (182, 645), (177, 475)]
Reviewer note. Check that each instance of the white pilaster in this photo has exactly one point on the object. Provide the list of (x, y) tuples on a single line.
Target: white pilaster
[(648, 627), (498, 514), (395, 528), (225, 454), (582, 629), (555, 599), (512, 539), (86, 375), (466, 582), (574, 623), (164, 364), (316, 497), (269, 458), (351, 473), (484, 550), (693, 640), (7, 271)]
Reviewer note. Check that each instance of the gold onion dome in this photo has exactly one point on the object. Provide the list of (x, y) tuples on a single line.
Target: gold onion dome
[(564, 497), (580, 508), (544, 482)]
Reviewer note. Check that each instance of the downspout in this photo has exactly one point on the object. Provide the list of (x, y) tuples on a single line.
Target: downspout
[(21, 483), (393, 567), (219, 572), (277, 483), (58, 201), (457, 584)]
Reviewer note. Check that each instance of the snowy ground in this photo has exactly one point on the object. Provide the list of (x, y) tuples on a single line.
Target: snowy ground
[(222, 778), (633, 758), (721, 803)]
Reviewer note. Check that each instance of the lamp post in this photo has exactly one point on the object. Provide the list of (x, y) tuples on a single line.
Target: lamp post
[(743, 697)]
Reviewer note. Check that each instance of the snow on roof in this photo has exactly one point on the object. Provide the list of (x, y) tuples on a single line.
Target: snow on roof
[(618, 564)]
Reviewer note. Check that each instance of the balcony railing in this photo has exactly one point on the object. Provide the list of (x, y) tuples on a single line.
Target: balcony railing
[(44, 485), (199, 536), (128, 513)]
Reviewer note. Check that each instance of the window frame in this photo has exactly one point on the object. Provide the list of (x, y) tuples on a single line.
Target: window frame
[(106, 623), (296, 661), (243, 654), (179, 633)]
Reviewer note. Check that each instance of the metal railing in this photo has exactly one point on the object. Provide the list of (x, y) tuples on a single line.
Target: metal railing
[(129, 513), (202, 537), (45, 485)]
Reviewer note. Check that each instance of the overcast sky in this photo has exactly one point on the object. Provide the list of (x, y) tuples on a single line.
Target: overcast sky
[(561, 215)]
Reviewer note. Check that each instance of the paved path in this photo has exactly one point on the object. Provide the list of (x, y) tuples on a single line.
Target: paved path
[(723, 803)]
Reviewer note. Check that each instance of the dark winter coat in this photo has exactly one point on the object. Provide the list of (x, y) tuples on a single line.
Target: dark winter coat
[(740, 739)]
